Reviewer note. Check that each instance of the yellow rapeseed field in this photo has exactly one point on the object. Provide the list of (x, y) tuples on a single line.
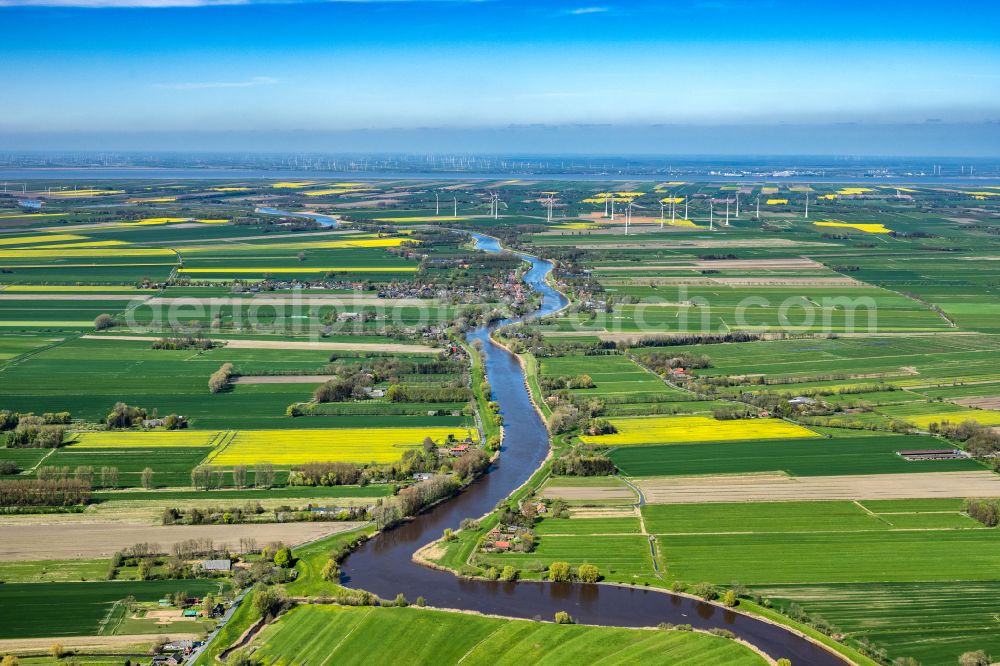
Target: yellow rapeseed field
[(576, 225), (42, 238), (854, 190), (769, 190), (155, 200), (828, 197), (230, 189), (983, 417), (20, 215), (681, 429), (293, 186), (134, 440), (777, 202), (84, 193), (671, 199), (335, 190), (867, 228), (355, 445), (81, 252)]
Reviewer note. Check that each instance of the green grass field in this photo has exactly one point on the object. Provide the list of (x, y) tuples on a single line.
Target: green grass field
[(871, 454), (933, 622), (798, 517), (29, 610), (313, 634), (619, 557), (834, 557)]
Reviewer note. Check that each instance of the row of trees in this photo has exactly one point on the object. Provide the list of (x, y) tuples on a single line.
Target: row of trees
[(184, 342), (106, 477), (205, 477), (44, 492)]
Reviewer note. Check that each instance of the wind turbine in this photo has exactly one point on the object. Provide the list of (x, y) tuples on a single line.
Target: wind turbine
[(456, 206), (549, 203), (661, 214), (605, 206), (673, 212), (737, 203), (686, 208), (437, 204), (807, 203), (612, 205), (711, 214), (758, 206), (727, 211)]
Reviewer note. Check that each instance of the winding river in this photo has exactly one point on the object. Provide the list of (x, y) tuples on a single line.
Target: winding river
[(384, 564)]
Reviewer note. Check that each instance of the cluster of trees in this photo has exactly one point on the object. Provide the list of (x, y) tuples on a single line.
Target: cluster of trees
[(566, 382), (986, 511), (979, 440), (29, 431), (410, 393), (662, 364), (44, 492), (184, 342), (218, 381), (124, 416), (103, 322), (411, 500), (350, 386), (600, 427), (561, 572), (582, 461)]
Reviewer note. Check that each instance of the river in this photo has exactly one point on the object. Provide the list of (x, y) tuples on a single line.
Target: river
[(384, 564)]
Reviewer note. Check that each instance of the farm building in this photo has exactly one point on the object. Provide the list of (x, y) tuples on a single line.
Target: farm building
[(934, 454), (217, 565)]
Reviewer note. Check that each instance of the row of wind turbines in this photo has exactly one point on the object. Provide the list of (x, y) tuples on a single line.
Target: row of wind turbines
[(609, 208)]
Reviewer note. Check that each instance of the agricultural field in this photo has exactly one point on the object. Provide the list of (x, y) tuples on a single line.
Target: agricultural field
[(871, 453), (357, 445), (54, 610), (755, 378), (684, 429), (434, 637)]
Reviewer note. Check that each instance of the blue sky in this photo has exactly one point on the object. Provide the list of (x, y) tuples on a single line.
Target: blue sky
[(94, 66)]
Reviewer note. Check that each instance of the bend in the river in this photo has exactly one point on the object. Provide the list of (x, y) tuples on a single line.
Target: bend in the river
[(384, 565)]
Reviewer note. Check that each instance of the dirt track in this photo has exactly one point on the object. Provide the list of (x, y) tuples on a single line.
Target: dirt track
[(588, 493), (776, 487), (88, 642), (284, 379), (91, 540)]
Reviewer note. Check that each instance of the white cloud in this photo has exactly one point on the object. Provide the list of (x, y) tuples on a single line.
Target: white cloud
[(205, 85), (579, 11)]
